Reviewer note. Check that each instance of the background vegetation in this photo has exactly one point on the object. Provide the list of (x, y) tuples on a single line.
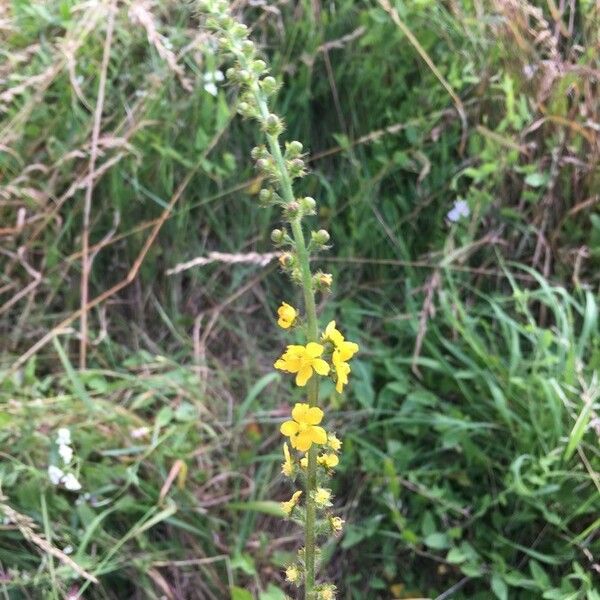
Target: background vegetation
[(470, 465)]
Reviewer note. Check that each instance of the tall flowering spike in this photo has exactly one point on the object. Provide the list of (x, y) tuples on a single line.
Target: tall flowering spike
[(279, 165)]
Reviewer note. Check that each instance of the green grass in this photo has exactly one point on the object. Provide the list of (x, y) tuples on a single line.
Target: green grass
[(470, 466)]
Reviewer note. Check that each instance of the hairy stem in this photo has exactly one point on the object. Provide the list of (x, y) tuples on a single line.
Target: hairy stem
[(287, 192)]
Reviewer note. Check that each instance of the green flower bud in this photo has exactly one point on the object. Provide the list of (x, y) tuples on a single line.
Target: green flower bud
[(259, 66), (231, 74), (266, 197), (293, 149), (296, 167), (262, 164), (248, 48), (320, 237), (308, 205), (244, 76), (273, 125), (269, 85), (258, 152), (292, 210), (239, 30), (277, 236)]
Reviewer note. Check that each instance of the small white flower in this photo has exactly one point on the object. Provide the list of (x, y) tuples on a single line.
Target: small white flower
[(68, 549), (66, 453), (55, 474), (210, 81), (70, 482), (458, 211), (63, 436)]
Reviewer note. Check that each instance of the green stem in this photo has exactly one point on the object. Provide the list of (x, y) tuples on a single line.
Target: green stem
[(287, 192)]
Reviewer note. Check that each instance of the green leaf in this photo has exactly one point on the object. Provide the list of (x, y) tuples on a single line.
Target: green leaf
[(499, 587), (536, 180), (238, 593), (272, 593), (437, 541), (267, 507)]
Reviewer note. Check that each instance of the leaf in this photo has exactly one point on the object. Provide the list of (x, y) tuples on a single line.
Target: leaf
[(499, 587), (272, 593), (254, 391), (164, 416), (267, 507), (437, 541), (238, 593), (536, 180)]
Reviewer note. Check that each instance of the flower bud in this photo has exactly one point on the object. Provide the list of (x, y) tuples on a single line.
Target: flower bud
[(258, 152), (320, 237), (308, 205), (273, 125), (243, 108), (244, 76), (296, 167), (248, 48), (259, 66), (268, 85), (277, 236), (239, 30), (292, 210), (266, 197), (231, 74), (293, 149), (262, 164)]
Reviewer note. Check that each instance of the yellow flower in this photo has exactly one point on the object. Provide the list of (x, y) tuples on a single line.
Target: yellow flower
[(343, 350), (288, 506), (336, 524), (287, 467), (292, 574), (287, 315), (322, 497), (334, 443), (302, 430), (302, 360), (328, 460), (342, 370), (304, 462)]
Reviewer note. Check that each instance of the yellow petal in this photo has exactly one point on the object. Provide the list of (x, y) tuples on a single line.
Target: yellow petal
[(320, 366), (313, 349), (313, 416), (329, 329), (303, 375), (284, 323), (289, 428), (302, 441), (299, 411), (317, 435), (280, 364)]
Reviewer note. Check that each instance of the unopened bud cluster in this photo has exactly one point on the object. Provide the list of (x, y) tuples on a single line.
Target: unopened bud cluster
[(278, 168)]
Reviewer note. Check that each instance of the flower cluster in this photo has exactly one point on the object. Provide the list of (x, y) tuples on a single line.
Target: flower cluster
[(306, 360), (64, 475)]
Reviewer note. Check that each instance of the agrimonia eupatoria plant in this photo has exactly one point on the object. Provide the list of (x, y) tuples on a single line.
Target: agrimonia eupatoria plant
[(310, 451)]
